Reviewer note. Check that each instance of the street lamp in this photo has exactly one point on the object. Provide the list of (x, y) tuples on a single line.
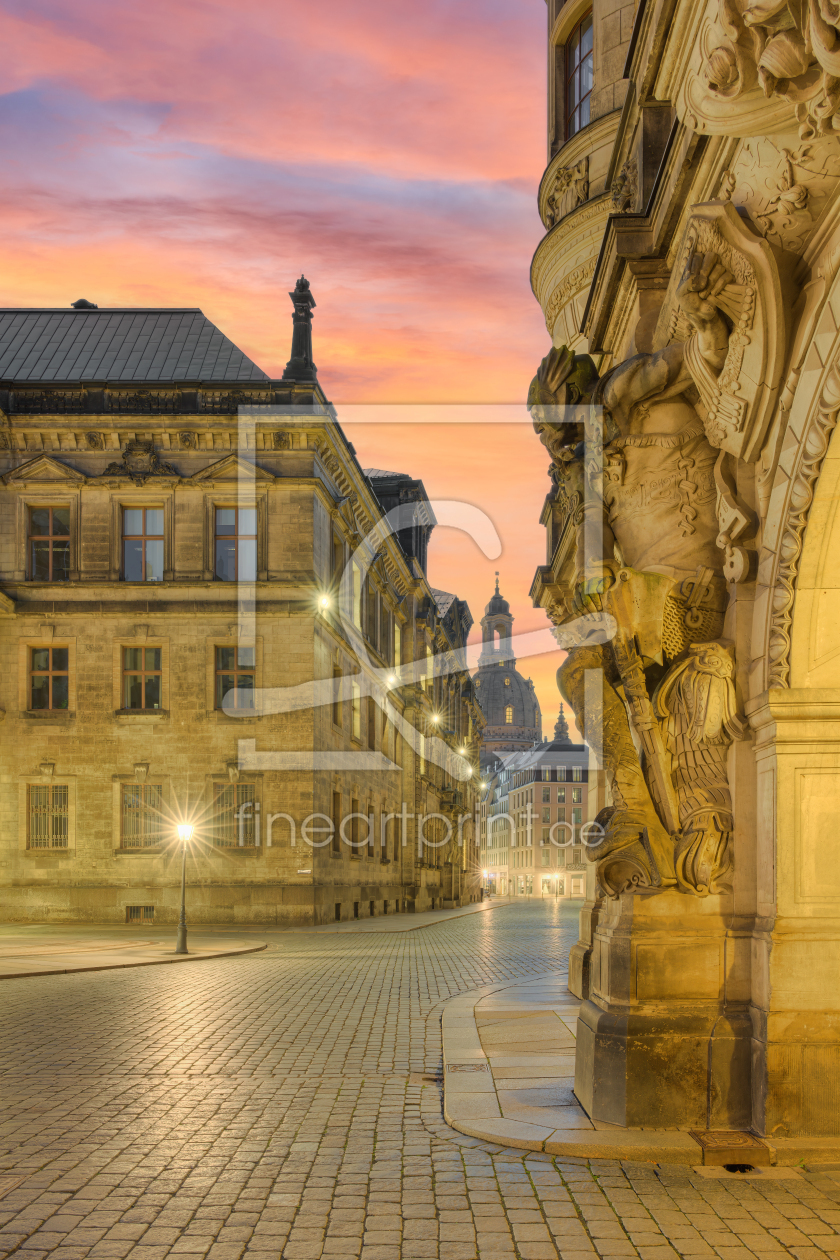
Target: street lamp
[(185, 831)]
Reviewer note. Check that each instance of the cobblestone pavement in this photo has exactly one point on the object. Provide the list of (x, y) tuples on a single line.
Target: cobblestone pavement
[(279, 1104)]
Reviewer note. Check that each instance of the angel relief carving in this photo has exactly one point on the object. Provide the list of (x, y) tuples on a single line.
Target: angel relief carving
[(638, 460), (784, 51)]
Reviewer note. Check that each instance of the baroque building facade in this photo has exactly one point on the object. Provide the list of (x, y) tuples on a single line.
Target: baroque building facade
[(211, 612), (689, 403)]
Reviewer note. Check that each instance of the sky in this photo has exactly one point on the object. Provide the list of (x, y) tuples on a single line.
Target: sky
[(185, 153)]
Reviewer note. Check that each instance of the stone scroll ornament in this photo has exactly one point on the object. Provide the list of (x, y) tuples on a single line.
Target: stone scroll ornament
[(761, 66), (646, 454)]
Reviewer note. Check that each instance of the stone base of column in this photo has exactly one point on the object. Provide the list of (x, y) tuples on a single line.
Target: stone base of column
[(664, 1039)]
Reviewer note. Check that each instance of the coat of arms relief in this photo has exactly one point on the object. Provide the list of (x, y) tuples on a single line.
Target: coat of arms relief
[(645, 463)]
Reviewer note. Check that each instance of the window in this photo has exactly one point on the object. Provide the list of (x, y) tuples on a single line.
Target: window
[(546, 815), (336, 822), (140, 815), (546, 857), (49, 812), (577, 774), (357, 711), (234, 810), (49, 544), (354, 829), (141, 678), (236, 544), (577, 855), (235, 672), (561, 796), (398, 646), (577, 817), (546, 795), (576, 795), (578, 76), (371, 722), (337, 558), (139, 914), (49, 679), (371, 841), (509, 715), (507, 682), (336, 696), (143, 544)]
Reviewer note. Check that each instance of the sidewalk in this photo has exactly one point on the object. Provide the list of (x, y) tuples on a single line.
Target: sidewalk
[(509, 1066), (42, 950), (409, 922)]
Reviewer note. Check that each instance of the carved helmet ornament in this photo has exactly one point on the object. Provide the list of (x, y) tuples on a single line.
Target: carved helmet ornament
[(737, 406)]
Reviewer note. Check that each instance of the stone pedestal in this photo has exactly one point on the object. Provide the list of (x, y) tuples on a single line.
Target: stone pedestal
[(663, 1040), (580, 955)]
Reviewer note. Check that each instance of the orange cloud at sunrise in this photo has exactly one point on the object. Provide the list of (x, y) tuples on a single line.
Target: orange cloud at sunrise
[(205, 153)]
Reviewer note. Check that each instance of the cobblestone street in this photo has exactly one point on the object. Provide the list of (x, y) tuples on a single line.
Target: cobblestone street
[(287, 1103)]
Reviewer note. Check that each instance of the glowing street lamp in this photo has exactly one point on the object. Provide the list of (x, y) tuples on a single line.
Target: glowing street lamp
[(324, 601), (185, 831)]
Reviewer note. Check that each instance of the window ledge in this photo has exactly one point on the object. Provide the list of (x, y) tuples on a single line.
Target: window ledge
[(49, 715), (151, 850), (142, 715), (229, 719), (51, 852)]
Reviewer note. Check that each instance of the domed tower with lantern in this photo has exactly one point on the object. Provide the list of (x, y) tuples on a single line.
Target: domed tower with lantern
[(508, 701)]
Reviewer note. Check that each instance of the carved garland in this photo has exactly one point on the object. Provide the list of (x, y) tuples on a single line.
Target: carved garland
[(574, 282), (801, 496)]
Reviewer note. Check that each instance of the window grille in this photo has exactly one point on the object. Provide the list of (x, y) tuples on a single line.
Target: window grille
[(235, 672), (49, 544), (141, 819), (141, 678), (143, 544), (236, 544), (139, 914), (49, 679), (579, 76), (49, 813), (232, 822)]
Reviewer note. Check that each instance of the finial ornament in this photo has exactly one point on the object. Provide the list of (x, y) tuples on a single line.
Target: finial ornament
[(300, 366), (497, 581)]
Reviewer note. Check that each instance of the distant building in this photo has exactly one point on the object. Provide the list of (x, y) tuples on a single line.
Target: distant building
[(508, 701), (533, 807), (176, 528)]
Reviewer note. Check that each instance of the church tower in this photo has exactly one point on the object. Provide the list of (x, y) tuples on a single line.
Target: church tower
[(508, 701)]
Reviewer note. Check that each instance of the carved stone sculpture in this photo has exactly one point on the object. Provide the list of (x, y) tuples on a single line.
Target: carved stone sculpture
[(571, 189), (650, 511)]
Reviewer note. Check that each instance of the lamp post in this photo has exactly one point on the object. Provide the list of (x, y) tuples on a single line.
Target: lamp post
[(185, 831)]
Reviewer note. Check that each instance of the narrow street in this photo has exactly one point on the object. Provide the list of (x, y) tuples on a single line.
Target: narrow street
[(286, 1103)]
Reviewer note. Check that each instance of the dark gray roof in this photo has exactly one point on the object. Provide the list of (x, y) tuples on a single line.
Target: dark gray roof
[(444, 601), (118, 344), (380, 474)]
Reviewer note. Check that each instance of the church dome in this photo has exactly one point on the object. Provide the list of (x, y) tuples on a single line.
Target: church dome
[(500, 688)]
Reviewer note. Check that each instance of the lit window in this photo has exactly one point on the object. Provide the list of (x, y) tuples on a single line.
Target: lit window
[(576, 795), (509, 715), (561, 796), (507, 682), (141, 678), (546, 815), (236, 544), (49, 544), (233, 814), (577, 817), (143, 544), (578, 76), (235, 672), (48, 816), (577, 775), (546, 795), (140, 816), (48, 678)]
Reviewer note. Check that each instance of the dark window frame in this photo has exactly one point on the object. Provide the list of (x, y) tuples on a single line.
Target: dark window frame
[(236, 538), (150, 828), (49, 673), (49, 538), (573, 65), (143, 673), (236, 672), (52, 812), (143, 537)]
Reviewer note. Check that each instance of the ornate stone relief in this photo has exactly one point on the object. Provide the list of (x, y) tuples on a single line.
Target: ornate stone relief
[(625, 187), (812, 450), (574, 282), (139, 461), (784, 189), (571, 189), (647, 468), (765, 64)]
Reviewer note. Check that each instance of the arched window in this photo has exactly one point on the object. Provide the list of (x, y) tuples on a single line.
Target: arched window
[(578, 75), (509, 715)]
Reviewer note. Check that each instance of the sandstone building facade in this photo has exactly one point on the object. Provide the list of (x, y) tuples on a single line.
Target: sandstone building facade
[(689, 281), (206, 615)]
